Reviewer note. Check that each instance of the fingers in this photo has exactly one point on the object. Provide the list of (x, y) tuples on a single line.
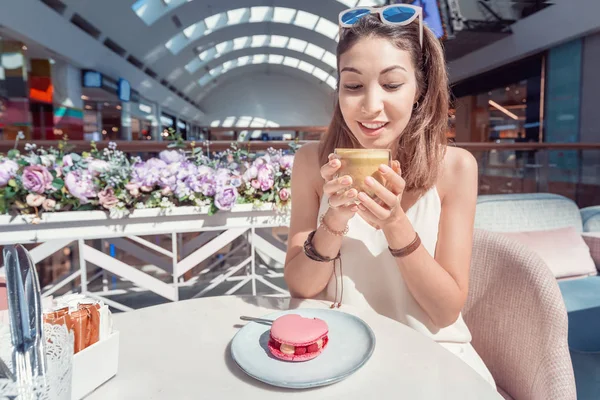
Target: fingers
[(329, 170), (368, 204), (343, 199), (393, 177), (336, 185), (384, 194), (346, 211), (368, 216)]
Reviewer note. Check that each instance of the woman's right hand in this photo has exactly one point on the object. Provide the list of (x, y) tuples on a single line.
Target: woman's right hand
[(341, 196)]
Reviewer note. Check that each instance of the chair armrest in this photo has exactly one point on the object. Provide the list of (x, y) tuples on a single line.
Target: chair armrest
[(518, 320), (592, 239), (590, 218)]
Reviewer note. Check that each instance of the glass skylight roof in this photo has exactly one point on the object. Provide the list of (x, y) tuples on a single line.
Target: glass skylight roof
[(271, 41), (280, 15), (244, 122), (150, 11), (256, 59)]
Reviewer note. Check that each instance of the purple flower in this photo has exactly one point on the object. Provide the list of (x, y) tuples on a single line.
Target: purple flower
[(266, 159), (266, 184), (266, 177), (287, 161), (79, 183), (202, 184), (147, 174), (155, 163), (225, 197), (182, 189), (168, 175), (186, 169), (171, 156), (255, 184), (208, 187), (37, 179), (107, 198), (222, 176), (284, 194), (251, 173), (8, 170), (67, 161), (204, 171), (236, 181)]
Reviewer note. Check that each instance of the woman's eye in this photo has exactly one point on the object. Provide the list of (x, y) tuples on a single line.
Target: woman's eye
[(392, 86), (352, 87)]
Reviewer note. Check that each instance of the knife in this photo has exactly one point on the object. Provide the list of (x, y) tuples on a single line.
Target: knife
[(25, 313)]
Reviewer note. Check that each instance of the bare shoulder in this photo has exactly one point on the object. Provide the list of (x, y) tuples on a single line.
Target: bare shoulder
[(459, 171), (308, 152), (307, 165)]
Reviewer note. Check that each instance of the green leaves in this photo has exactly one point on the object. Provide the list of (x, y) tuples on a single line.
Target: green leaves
[(13, 153), (58, 183)]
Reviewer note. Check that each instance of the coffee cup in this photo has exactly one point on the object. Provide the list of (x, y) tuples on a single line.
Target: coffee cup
[(361, 163)]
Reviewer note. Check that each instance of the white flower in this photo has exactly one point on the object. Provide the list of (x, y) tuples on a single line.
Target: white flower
[(49, 205), (48, 160), (35, 200)]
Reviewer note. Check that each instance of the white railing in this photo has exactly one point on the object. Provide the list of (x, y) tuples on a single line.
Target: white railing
[(57, 231)]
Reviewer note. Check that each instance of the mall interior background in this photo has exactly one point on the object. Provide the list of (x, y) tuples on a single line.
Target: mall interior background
[(525, 78)]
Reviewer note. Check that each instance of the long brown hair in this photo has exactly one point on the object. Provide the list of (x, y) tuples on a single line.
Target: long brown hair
[(422, 145)]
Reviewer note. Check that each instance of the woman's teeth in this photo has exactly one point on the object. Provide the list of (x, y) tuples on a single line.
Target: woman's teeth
[(373, 126)]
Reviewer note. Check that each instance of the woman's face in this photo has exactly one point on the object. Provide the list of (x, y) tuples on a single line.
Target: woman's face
[(377, 91)]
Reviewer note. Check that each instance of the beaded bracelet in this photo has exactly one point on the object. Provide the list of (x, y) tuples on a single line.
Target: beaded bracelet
[(331, 231)]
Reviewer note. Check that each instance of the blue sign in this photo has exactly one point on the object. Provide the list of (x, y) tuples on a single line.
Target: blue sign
[(431, 15), (124, 90), (92, 79)]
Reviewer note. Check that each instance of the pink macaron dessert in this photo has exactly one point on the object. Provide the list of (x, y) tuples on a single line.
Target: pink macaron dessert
[(295, 338)]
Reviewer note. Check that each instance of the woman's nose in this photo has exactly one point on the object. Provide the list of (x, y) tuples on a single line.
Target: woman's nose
[(372, 103)]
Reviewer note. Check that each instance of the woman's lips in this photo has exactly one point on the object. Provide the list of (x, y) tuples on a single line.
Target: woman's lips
[(372, 128)]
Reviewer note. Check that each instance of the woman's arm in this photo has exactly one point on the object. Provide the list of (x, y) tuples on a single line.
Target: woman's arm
[(307, 278), (440, 284)]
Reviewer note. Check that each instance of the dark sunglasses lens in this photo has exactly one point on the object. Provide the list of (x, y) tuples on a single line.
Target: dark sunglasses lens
[(351, 17), (398, 14)]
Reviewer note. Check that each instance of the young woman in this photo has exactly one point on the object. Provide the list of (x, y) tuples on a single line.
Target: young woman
[(406, 252)]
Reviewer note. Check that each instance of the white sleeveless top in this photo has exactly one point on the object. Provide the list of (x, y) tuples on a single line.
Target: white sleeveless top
[(371, 277)]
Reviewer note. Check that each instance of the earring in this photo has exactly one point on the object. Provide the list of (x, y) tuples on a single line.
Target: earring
[(416, 105)]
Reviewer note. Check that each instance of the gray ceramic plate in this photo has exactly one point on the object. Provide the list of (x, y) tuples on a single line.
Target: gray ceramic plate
[(351, 343)]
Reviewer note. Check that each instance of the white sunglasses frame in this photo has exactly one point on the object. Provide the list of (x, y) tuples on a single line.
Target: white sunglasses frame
[(380, 10)]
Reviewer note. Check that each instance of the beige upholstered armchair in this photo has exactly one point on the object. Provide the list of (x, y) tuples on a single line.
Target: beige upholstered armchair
[(518, 320)]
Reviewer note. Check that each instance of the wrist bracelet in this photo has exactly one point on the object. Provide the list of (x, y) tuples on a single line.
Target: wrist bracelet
[(311, 252), (331, 231), (403, 252)]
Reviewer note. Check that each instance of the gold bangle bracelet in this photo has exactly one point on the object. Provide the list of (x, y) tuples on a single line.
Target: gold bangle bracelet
[(331, 231)]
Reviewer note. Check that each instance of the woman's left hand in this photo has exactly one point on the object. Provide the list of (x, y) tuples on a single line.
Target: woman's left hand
[(386, 208)]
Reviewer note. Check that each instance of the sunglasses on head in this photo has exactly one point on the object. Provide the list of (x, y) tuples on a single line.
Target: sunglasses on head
[(396, 14)]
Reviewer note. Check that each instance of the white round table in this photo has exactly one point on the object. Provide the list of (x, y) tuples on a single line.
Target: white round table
[(181, 351)]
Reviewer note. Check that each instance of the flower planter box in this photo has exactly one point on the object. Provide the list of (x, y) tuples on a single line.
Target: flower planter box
[(99, 224)]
